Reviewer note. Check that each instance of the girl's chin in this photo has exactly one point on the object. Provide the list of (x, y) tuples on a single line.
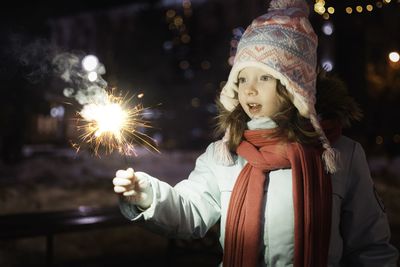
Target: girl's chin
[(257, 116)]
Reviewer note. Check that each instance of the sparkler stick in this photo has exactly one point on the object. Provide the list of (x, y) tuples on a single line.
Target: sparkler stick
[(113, 124)]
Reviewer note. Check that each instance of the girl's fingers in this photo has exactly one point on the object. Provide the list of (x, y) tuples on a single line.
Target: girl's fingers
[(121, 174), (131, 193), (121, 181), (129, 173), (119, 189)]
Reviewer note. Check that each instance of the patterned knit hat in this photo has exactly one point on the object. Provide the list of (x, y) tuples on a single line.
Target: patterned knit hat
[(283, 43)]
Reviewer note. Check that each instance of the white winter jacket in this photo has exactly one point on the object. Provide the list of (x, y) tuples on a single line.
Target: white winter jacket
[(359, 235)]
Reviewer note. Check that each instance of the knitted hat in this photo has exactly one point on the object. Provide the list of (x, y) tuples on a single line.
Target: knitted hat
[(283, 43)]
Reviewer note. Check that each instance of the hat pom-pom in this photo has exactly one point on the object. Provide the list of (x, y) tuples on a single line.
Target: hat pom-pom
[(221, 151), (287, 4)]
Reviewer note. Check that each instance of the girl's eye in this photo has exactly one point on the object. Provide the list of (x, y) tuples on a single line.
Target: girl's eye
[(266, 78), (241, 80)]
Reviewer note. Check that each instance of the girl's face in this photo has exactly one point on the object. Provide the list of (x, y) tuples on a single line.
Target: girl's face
[(258, 92)]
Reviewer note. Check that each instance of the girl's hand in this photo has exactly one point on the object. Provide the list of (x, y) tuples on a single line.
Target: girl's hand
[(136, 190)]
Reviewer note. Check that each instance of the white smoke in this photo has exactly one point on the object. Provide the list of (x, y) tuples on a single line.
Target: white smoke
[(81, 86)]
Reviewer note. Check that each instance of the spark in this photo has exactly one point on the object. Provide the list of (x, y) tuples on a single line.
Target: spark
[(113, 124)]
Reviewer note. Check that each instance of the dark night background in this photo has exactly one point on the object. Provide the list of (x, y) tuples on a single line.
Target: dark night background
[(175, 53)]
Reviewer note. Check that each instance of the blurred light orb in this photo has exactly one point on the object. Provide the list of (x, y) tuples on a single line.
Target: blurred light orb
[(394, 57), (359, 9), (158, 137), (188, 74), (168, 45), (149, 114), (178, 21), (379, 140), (396, 138), (327, 28), (186, 4), (212, 108), (349, 10), (90, 62), (195, 102), (92, 76), (68, 92), (331, 10), (57, 112), (185, 38), (327, 65), (170, 13), (184, 64), (369, 7), (205, 65), (319, 7)]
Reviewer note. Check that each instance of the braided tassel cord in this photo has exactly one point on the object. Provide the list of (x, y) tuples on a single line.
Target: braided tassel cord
[(330, 156), (221, 151)]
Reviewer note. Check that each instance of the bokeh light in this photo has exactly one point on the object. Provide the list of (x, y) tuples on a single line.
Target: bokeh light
[(184, 64), (379, 140), (394, 57), (327, 65), (327, 28), (205, 65), (92, 76), (90, 62)]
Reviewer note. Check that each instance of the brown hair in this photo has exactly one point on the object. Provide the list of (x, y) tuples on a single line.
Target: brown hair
[(333, 103)]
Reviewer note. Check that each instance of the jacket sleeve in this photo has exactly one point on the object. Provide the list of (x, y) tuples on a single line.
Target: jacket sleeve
[(187, 210), (364, 225)]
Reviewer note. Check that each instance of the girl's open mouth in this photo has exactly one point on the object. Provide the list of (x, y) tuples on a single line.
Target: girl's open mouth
[(254, 107)]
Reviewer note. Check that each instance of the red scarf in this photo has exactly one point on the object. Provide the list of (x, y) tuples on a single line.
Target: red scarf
[(312, 197)]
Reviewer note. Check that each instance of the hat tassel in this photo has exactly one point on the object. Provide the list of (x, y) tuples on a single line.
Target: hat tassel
[(330, 156), (221, 150)]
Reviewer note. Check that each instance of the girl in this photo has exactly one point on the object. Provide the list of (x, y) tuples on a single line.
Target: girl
[(275, 180)]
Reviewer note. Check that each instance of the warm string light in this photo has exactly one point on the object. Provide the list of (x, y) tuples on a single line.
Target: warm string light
[(321, 8)]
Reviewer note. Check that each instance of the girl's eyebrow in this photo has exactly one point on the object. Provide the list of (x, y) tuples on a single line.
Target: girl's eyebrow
[(241, 74)]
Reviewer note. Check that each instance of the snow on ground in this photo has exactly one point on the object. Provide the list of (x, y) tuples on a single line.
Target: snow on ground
[(51, 180), (58, 180)]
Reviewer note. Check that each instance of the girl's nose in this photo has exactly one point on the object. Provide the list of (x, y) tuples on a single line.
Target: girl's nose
[(251, 89)]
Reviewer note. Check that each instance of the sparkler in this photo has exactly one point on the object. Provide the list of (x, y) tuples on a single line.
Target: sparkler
[(107, 122), (112, 123)]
